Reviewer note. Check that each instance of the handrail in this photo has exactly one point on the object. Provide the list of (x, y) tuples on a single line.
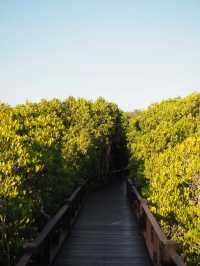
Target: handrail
[(163, 252), (43, 250)]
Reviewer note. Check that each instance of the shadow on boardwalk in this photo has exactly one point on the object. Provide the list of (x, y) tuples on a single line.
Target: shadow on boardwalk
[(106, 233)]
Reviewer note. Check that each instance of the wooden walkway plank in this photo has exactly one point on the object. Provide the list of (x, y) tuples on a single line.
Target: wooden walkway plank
[(106, 233)]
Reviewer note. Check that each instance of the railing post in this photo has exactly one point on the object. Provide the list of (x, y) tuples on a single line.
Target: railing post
[(169, 248)]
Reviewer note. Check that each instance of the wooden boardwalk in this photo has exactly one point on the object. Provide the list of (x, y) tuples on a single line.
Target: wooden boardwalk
[(106, 233)]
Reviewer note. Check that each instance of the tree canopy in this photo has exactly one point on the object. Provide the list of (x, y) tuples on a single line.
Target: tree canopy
[(164, 143)]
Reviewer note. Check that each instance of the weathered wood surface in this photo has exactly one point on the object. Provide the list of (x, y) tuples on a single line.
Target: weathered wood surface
[(106, 233)]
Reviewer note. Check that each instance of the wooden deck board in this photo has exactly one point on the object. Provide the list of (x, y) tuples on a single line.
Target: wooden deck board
[(106, 233)]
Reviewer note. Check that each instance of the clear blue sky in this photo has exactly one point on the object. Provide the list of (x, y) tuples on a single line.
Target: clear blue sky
[(130, 52)]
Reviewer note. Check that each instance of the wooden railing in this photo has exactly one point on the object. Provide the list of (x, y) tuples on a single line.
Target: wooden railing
[(161, 250), (45, 247), (43, 250)]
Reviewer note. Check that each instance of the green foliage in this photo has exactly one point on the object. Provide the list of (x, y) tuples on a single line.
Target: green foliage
[(46, 150), (164, 143)]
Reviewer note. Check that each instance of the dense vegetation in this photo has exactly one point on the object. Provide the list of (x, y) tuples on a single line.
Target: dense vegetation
[(164, 143), (46, 149)]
